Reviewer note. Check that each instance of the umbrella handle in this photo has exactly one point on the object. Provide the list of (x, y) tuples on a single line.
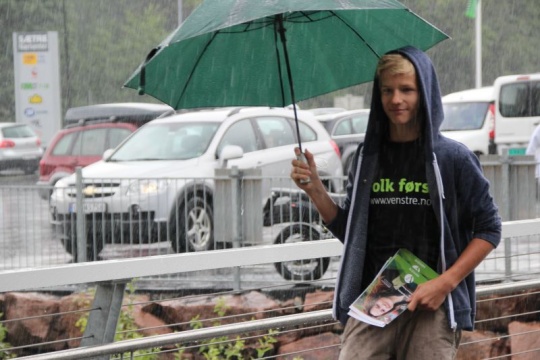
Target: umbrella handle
[(301, 157)]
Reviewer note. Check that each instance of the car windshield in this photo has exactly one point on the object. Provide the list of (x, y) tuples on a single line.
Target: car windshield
[(167, 141), (464, 116)]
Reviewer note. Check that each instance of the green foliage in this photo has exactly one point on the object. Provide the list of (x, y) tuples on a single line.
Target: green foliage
[(102, 42), (4, 354), (266, 343), (224, 348), (126, 329)]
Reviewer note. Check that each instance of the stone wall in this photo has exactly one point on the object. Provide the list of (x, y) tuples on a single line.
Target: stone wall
[(49, 318)]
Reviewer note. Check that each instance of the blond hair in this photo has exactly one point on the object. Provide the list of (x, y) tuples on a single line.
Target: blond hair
[(395, 64)]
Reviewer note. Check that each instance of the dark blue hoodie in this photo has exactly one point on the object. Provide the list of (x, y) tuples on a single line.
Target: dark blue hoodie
[(458, 190)]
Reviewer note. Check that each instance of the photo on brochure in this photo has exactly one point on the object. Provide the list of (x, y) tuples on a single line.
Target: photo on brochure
[(388, 294)]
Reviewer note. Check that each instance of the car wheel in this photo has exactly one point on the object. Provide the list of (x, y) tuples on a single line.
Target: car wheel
[(94, 241), (195, 224), (300, 270)]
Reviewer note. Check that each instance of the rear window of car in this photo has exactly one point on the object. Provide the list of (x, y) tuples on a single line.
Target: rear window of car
[(356, 124), (14, 132), (63, 146), (90, 142), (276, 131), (520, 99), (306, 132), (343, 128), (464, 116)]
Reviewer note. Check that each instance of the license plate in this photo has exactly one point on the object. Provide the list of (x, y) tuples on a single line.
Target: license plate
[(516, 151), (29, 157), (89, 208)]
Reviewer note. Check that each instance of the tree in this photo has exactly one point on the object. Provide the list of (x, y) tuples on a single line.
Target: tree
[(102, 42)]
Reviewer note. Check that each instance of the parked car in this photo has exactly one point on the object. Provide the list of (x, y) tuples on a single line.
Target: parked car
[(136, 113), (20, 147), (469, 119), (78, 146), (89, 131), (347, 129), (517, 111), (327, 110), (158, 184)]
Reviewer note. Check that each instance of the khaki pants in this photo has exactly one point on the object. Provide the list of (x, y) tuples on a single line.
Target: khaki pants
[(418, 335)]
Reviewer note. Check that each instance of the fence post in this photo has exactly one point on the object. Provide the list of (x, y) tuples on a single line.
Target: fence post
[(236, 208), (81, 231), (103, 318)]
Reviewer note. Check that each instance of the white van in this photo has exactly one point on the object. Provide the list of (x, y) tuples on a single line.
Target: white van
[(468, 118), (517, 111)]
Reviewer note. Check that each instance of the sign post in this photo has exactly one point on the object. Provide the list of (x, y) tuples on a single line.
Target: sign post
[(37, 82)]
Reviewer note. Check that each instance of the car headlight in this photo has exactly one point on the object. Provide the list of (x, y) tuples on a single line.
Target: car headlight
[(147, 186)]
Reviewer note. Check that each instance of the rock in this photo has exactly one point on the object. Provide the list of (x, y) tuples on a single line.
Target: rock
[(494, 312), (244, 307), (318, 300), (524, 338), (480, 345), (34, 327), (72, 307), (28, 326), (300, 348)]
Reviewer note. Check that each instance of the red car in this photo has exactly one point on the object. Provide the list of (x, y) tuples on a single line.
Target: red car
[(75, 146), (89, 131)]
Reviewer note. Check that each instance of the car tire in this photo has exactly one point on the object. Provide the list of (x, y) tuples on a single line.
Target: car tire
[(300, 270), (94, 244), (193, 230)]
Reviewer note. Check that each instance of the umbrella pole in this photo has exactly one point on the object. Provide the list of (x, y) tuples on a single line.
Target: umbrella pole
[(283, 38)]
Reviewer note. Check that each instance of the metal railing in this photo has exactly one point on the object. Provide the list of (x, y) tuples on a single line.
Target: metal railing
[(109, 274), (30, 252), (34, 234)]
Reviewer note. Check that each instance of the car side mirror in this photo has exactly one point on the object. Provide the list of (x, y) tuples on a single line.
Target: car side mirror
[(107, 154), (230, 152)]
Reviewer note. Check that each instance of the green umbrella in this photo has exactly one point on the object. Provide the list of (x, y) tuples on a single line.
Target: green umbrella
[(276, 52)]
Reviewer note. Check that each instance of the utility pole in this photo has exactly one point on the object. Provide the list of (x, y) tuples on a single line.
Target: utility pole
[(478, 27), (474, 11)]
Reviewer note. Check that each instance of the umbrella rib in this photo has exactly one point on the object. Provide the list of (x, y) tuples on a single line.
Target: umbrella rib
[(357, 33), (195, 67), (306, 15), (279, 65), (281, 30), (250, 26)]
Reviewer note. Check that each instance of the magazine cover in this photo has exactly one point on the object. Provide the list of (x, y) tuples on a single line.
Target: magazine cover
[(386, 297)]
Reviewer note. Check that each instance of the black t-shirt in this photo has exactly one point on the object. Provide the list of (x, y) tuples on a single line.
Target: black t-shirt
[(400, 210)]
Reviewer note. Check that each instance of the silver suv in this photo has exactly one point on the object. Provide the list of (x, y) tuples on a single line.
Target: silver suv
[(159, 184)]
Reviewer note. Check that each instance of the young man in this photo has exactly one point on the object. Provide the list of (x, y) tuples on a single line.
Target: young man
[(411, 188)]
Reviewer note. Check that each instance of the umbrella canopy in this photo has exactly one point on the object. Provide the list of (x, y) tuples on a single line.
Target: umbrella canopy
[(231, 52)]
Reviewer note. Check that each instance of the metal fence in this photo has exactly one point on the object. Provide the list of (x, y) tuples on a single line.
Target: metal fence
[(113, 275), (247, 211), (235, 208)]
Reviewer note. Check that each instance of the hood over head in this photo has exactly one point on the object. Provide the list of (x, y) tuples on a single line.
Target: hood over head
[(430, 104)]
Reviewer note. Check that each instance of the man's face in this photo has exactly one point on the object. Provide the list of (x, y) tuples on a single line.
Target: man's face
[(399, 96)]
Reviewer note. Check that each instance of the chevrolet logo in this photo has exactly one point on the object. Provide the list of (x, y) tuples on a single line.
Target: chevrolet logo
[(90, 190)]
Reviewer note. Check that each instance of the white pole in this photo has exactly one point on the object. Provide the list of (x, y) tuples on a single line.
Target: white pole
[(180, 12), (478, 26)]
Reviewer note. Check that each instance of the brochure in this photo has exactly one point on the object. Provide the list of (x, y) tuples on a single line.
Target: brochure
[(387, 295)]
